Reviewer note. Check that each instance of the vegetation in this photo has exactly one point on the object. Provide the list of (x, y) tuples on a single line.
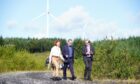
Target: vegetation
[(13, 60), (115, 59), (32, 44)]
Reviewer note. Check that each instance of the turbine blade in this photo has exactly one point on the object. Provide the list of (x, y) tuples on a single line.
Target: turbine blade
[(56, 19), (38, 16)]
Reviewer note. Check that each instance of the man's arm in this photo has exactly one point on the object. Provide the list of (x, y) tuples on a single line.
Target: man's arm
[(73, 52), (83, 51), (93, 53), (64, 52)]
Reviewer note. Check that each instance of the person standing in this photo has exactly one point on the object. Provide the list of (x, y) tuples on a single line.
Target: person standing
[(55, 59), (68, 54), (88, 52)]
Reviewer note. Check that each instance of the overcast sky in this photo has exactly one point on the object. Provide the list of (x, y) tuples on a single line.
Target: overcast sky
[(92, 19)]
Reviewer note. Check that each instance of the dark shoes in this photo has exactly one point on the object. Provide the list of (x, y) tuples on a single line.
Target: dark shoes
[(64, 78), (73, 78), (56, 78), (88, 79)]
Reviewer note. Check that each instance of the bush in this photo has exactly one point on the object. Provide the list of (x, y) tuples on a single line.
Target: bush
[(113, 59), (12, 60)]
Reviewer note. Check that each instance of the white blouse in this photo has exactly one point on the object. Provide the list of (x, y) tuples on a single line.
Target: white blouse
[(55, 51)]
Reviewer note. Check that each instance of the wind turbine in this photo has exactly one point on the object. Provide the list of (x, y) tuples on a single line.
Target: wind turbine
[(48, 14)]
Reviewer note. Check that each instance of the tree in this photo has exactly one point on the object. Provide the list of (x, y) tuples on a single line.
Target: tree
[(1, 41)]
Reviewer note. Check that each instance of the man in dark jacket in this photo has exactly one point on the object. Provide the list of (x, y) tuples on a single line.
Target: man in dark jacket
[(68, 54), (88, 52)]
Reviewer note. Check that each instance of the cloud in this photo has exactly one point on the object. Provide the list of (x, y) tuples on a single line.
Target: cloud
[(70, 22), (133, 18), (11, 23), (31, 26), (129, 32), (35, 28), (72, 25), (75, 17), (76, 22)]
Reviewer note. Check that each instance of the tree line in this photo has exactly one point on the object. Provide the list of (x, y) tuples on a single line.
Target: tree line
[(30, 44)]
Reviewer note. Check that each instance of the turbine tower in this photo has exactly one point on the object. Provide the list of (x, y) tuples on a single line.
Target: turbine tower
[(48, 12), (48, 15)]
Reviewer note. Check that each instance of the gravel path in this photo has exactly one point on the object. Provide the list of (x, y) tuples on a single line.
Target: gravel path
[(41, 78)]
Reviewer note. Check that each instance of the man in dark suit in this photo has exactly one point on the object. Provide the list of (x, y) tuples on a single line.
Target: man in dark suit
[(88, 52), (68, 54)]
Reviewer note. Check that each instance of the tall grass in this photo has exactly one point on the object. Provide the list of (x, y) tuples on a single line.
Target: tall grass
[(12, 60)]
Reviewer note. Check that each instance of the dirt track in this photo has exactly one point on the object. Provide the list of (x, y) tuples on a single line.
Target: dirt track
[(43, 78)]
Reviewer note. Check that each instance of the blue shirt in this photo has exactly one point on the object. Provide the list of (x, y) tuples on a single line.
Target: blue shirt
[(70, 51)]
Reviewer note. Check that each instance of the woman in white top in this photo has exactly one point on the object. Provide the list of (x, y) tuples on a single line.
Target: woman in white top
[(56, 58)]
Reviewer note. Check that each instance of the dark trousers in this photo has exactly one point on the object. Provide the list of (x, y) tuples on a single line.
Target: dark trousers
[(70, 64), (88, 67)]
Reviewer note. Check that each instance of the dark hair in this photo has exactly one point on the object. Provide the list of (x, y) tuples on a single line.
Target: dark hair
[(69, 40), (56, 41), (89, 41)]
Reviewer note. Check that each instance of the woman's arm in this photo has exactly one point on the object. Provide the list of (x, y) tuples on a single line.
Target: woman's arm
[(50, 56), (61, 56)]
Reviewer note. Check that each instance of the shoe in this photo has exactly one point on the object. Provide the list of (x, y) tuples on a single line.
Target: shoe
[(89, 79), (85, 78), (64, 78), (58, 78), (73, 78), (53, 78)]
